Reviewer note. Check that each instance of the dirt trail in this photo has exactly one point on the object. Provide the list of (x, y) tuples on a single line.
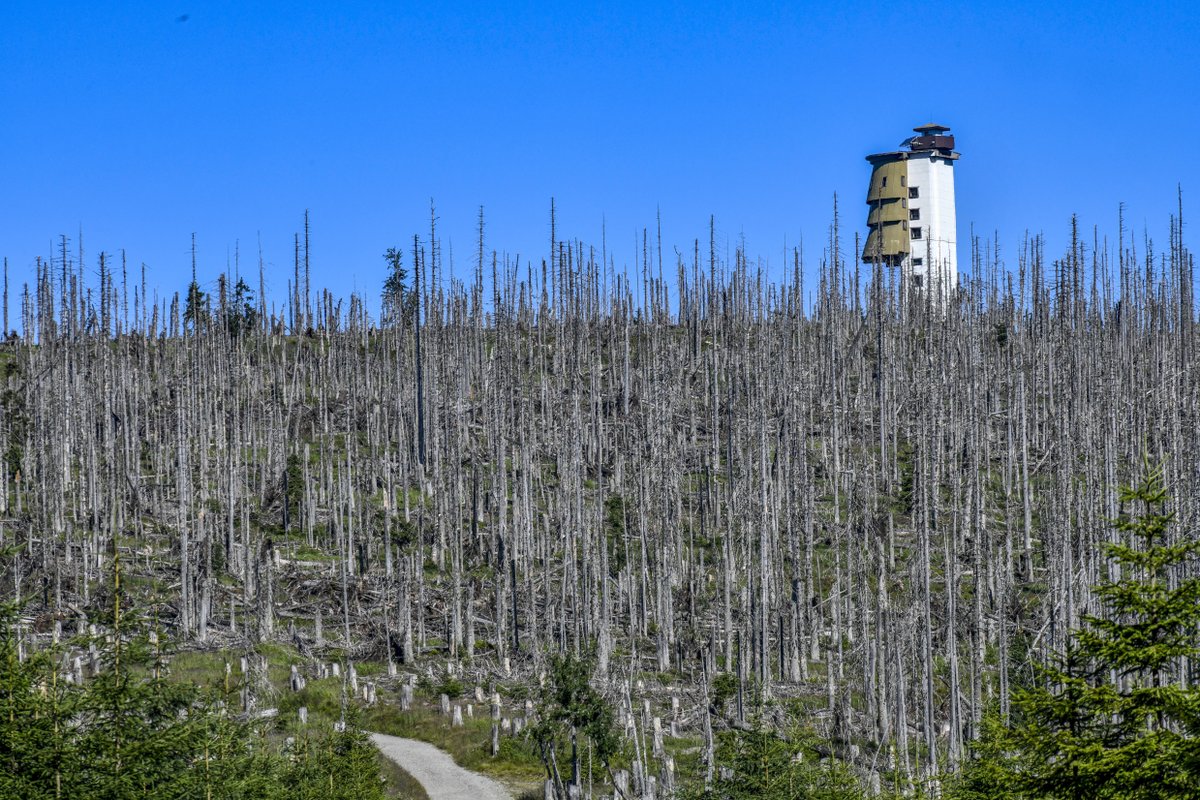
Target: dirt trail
[(437, 772)]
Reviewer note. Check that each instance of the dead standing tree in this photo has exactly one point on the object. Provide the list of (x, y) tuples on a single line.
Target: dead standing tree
[(847, 492)]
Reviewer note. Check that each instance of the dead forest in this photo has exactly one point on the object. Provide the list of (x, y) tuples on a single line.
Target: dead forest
[(838, 489)]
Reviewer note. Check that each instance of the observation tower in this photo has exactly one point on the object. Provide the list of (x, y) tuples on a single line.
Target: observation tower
[(911, 217)]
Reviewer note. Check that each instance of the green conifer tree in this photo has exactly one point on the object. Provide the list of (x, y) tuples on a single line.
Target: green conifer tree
[(1117, 715), (399, 301), (761, 763), (571, 712), (196, 312)]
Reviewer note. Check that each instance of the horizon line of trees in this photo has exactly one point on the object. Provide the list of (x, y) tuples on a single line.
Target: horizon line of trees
[(1099, 275)]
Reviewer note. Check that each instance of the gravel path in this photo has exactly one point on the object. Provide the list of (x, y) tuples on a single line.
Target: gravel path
[(437, 772)]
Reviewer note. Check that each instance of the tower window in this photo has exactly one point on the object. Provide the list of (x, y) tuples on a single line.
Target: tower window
[(903, 179), (884, 180), (916, 233), (914, 213), (918, 262), (916, 281), (913, 193)]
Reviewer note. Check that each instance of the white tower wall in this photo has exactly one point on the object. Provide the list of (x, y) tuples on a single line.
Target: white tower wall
[(933, 178)]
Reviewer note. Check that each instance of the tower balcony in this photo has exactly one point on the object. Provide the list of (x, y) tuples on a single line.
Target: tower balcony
[(888, 181), (887, 243), (893, 209)]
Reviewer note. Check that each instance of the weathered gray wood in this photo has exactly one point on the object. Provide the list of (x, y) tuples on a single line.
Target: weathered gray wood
[(841, 490)]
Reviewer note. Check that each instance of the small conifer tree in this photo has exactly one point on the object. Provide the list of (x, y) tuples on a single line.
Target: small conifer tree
[(399, 301), (1117, 716), (572, 710)]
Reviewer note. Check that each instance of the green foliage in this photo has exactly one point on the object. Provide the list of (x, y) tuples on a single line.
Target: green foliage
[(759, 763), (570, 710), (341, 766), (404, 534), (614, 529), (451, 687), (195, 311), (12, 411), (1116, 716), (399, 302), (724, 687), (902, 502), (241, 316), (12, 459), (129, 733), (294, 496)]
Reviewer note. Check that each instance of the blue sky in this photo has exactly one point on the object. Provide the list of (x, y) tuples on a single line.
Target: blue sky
[(138, 127)]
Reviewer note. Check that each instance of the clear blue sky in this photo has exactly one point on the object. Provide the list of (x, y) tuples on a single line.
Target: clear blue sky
[(139, 126)]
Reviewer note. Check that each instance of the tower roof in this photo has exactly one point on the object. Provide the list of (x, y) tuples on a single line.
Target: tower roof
[(931, 141)]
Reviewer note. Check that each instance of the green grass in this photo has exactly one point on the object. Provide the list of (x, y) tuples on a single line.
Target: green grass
[(280, 658), (469, 745), (306, 553), (516, 764), (322, 697), (206, 669), (370, 669)]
